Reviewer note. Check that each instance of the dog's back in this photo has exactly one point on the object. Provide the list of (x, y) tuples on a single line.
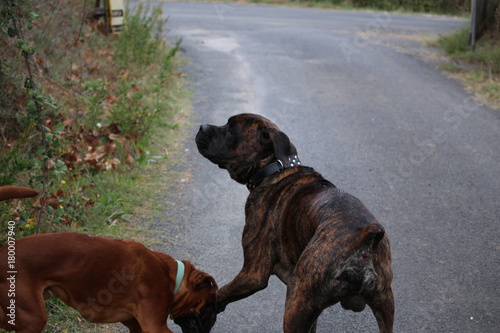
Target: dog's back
[(93, 274), (322, 231), (302, 202), (80, 254)]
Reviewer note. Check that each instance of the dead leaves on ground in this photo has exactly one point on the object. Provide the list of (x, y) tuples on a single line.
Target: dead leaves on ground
[(98, 149)]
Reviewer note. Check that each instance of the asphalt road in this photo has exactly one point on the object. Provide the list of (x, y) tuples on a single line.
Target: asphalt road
[(363, 103)]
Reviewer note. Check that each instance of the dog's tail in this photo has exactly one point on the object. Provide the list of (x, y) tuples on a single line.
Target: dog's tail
[(372, 234), (16, 192), (369, 238)]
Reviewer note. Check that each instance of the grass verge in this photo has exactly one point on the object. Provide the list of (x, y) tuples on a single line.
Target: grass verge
[(117, 116), (478, 70), (111, 98)]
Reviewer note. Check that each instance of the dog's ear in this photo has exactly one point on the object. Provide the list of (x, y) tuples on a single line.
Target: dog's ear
[(210, 282), (199, 280), (279, 143)]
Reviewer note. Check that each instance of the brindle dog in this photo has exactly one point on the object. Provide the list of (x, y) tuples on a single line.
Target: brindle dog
[(321, 242)]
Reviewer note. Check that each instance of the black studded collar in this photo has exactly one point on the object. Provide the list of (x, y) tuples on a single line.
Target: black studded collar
[(277, 166)]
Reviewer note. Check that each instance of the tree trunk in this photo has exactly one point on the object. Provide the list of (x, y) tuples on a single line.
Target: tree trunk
[(487, 17)]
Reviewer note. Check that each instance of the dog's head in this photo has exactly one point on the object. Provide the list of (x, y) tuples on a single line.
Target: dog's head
[(243, 146), (194, 310)]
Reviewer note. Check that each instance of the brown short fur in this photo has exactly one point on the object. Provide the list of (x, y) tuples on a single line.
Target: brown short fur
[(323, 243), (106, 280)]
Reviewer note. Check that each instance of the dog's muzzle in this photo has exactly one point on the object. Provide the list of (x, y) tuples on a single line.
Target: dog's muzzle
[(202, 323), (203, 137), (204, 128)]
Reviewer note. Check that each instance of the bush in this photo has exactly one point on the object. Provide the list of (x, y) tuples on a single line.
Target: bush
[(439, 6), (456, 43), (110, 91)]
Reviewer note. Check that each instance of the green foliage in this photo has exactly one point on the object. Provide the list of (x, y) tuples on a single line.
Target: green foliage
[(14, 161), (97, 92), (142, 38), (439, 6), (140, 44), (481, 73), (456, 43), (381, 4), (489, 56), (79, 148)]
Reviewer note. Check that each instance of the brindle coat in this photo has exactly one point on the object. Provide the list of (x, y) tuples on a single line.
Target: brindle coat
[(321, 242)]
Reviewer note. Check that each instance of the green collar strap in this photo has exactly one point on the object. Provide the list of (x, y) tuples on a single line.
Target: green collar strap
[(180, 276)]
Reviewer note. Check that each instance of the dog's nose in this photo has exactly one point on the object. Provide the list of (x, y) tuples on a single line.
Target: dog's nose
[(204, 128)]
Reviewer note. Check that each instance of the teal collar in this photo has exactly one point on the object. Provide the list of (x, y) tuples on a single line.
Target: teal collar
[(180, 276)]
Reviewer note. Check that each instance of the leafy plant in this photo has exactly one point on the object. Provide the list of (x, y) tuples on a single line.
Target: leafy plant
[(142, 38), (111, 92), (482, 71), (456, 43)]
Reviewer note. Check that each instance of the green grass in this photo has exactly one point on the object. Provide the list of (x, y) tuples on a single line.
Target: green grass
[(129, 84), (119, 93), (63, 319), (486, 54), (479, 70), (457, 43)]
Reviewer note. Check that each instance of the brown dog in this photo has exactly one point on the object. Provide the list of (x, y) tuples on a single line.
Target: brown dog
[(321, 242), (106, 280)]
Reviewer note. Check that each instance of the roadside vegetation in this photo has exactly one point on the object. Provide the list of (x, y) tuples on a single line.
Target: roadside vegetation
[(89, 120), (429, 6), (94, 121), (80, 110), (478, 70)]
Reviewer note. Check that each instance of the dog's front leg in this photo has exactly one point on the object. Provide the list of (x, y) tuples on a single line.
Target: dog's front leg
[(246, 283), (253, 277)]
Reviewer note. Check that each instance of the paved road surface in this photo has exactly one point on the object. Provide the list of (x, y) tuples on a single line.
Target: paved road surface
[(358, 95)]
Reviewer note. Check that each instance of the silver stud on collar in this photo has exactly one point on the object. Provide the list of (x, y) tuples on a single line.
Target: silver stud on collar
[(294, 160), (272, 168)]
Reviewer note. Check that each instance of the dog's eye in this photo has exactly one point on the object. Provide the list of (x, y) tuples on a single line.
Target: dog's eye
[(231, 138)]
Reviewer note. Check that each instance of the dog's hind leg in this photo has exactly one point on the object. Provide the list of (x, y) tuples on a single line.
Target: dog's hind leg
[(133, 325), (313, 327), (311, 289), (382, 307), (305, 297), (300, 315)]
